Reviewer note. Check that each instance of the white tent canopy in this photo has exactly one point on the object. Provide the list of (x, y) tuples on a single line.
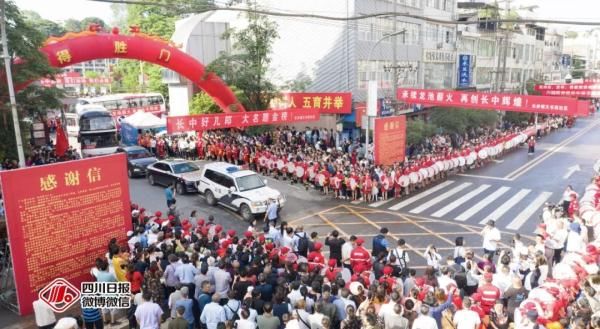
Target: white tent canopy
[(145, 120)]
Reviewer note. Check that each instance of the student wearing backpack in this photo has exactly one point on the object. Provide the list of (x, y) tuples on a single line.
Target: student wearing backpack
[(301, 242), (380, 244), (401, 258)]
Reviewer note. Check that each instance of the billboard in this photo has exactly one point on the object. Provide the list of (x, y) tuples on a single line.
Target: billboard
[(464, 70), (202, 122), (60, 218), (490, 101), (390, 140)]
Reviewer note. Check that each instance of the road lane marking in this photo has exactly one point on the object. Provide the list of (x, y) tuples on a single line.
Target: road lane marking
[(528, 166), (421, 195), (529, 211), (453, 205), (485, 177), (380, 203), (506, 206), (439, 198), (482, 204)]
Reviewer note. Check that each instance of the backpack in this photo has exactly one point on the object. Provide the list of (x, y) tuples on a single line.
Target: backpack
[(378, 246), (302, 244), (236, 316)]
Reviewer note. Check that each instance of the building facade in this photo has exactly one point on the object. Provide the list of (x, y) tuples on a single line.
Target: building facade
[(337, 55)]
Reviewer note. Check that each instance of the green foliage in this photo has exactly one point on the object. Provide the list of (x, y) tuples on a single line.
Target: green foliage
[(299, 84), (571, 35), (517, 118), (530, 86), (455, 120), (91, 74), (47, 27), (85, 23), (578, 71), (202, 103), (417, 130), (24, 40), (72, 25), (246, 67)]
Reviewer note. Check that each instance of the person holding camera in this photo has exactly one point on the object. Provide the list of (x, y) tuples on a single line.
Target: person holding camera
[(491, 237), (432, 257)]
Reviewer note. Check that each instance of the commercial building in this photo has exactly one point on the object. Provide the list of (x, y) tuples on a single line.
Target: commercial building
[(336, 55)]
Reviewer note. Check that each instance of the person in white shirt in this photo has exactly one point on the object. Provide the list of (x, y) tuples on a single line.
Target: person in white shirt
[(288, 238), (502, 278), (400, 254), (432, 257), (44, 315), (574, 239), (244, 322), (148, 313), (213, 313), (558, 237), (491, 237), (424, 321), (465, 318), (387, 309), (316, 319), (445, 280), (347, 248)]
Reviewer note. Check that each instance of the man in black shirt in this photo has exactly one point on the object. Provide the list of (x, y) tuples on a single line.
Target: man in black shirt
[(335, 246)]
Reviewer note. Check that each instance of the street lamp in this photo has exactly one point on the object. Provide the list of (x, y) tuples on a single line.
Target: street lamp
[(372, 91)]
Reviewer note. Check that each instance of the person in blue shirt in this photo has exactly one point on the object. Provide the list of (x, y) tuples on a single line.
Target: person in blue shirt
[(271, 214), (188, 304), (170, 195), (92, 318), (204, 297)]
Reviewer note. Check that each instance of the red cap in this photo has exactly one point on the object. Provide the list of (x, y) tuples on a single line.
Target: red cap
[(204, 231), (201, 222), (285, 250), (231, 233), (158, 214), (591, 249), (332, 262), (171, 217), (419, 282), (218, 228), (261, 238), (248, 234), (360, 241), (142, 209), (269, 246), (318, 246), (388, 270), (185, 221)]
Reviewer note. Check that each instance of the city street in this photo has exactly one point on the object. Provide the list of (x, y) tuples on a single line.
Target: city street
[(511, 191)]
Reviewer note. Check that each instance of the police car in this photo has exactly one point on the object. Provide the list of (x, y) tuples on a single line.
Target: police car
[(243, 191)]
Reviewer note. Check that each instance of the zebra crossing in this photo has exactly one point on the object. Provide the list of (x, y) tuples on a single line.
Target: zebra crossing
[(512, 208)]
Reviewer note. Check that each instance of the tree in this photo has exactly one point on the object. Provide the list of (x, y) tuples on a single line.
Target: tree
[(47, 27), (85, 23), (246, 67), (72, 25), (417, 130), (578, 70), (456, 120), (530, 86), (24, 40), (300, 83), (202, 103)]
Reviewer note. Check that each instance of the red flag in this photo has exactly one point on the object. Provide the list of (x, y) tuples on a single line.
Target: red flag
[(62, 142)]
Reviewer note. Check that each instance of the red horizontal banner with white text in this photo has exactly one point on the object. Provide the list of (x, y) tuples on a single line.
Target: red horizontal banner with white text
[(569, 86), (202, 122), (490, 101), (571, 93), (74, 81), (334, 103)]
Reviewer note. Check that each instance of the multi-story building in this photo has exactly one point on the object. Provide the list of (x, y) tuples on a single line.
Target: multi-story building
[(555, 62), (584, 46), (337, 55), (504, 57), (101, 66)]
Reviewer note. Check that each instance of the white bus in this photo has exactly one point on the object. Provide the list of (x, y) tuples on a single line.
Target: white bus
[(123, 105), (97, 131)]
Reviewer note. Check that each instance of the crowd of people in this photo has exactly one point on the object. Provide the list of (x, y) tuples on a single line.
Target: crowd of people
[(41, 155), (345, 169), (188, 273)]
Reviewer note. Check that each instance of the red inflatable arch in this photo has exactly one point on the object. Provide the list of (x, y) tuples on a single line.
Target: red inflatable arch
[(74, 48)]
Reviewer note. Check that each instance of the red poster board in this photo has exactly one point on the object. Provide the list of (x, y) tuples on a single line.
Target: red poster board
[(60, 218), (390, 140), (202, 122), (490, 101), (568, 86), (571, 93), (583, 108), (333, 103)]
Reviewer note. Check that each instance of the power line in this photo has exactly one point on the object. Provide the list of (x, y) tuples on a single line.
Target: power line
[(209, 8)]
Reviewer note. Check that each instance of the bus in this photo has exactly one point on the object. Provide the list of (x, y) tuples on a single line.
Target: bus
[(97, 131), (123, 105)]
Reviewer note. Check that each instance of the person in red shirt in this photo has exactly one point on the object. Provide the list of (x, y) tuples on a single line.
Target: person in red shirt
[(353, 184), (332, 270), (388, 279), (531, 144), (367, 188), (573, 205), (360, 258), (315, 257), (488, 292), (135, 278)]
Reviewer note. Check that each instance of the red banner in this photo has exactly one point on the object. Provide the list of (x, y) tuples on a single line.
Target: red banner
[(60, 218), (583, 108), (568, 86), (154, 109), (390, 140), (74, 81), (571, 93), (336, 103), (202, 122), (490, 101)]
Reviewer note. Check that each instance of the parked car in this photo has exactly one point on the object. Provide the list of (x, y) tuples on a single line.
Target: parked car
[(138, 159), (243, 191), (184, 174)]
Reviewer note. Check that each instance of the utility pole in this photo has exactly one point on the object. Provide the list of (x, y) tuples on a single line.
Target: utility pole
[(11, 89), (395, 57), (505, 46)]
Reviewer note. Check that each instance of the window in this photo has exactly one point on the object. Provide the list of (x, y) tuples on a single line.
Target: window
[(374, 70), (483, 75), (486, 48), (249, 182), (163, 167)]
